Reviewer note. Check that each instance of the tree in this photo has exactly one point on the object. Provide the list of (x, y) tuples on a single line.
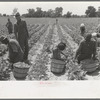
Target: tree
[(75, 16), (0, 14), (98, 12), (58, 11), (68, 15), (4, 14), (31, 12), (14, 11), (38, 12), (91, 11), (50, 13)]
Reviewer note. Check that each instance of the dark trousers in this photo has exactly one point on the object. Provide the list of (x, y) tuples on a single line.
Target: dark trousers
[(10, 31)]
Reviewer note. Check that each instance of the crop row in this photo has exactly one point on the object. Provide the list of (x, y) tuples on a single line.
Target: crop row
[(63, 39), (76, 37), (35, 37), (35, 30), (40, 66)]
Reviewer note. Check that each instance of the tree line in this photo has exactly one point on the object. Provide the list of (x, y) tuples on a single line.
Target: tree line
[(91, 11)]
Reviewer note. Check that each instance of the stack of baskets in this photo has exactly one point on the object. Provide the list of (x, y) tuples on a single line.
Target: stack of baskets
[(89, 65), (20, 70), (57, 66)]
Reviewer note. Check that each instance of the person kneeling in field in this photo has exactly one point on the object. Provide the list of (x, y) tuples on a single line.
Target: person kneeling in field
[(58, 51), (15, 51), (82, 29), (87, 49)]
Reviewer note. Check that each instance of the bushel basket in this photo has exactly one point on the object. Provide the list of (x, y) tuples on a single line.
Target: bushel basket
[(89, 65), (57, 66), (20, 73)]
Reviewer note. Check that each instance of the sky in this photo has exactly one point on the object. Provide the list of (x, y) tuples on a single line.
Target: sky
[(75, 7)]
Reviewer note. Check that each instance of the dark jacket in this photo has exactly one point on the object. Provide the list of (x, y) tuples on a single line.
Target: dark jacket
[(86, 50)]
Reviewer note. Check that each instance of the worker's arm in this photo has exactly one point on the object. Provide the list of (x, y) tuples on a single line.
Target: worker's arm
[(97, 29), (64, 55), (7, 25), (98, 35), (15, 30), (26, 29), (78, 50), (94, 51)]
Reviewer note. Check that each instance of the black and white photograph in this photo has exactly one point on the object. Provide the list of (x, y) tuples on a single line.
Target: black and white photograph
[(49, 49), (49, 41)]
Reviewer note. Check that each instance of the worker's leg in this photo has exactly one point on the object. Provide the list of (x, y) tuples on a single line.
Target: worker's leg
[(26, 49)]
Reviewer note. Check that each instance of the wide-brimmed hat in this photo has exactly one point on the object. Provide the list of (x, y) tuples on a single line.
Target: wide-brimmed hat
[(17, 14)]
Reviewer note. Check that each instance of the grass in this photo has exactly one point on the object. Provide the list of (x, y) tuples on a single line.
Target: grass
[(74, 21)]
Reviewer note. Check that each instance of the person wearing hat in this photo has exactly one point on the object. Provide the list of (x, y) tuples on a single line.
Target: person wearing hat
[(9, 26), (82, 29), (21, 34), (87, 49), (15, 51)]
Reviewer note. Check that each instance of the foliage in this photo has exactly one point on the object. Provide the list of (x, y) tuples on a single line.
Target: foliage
[(14, 11), (40, 13), (68, 15), (98, 12), (4, 15), (91, 11)]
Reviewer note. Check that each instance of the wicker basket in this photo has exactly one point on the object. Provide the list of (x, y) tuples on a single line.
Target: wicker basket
[(89, 65), (20, 73), (57, 66)]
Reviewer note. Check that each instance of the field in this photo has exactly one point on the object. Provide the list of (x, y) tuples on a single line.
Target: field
[(44, 35)]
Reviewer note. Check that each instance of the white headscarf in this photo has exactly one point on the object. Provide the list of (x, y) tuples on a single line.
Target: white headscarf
[(94, 34), (82, 24)]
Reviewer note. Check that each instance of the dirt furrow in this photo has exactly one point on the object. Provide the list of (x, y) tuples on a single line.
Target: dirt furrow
[(38, 71), (36, 49), (73, 45), (52, 77)]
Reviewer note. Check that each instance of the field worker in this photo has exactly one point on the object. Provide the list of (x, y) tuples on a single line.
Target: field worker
[(87, 49), (9, 26), (56, 21), (21, 34), (82, 29), (98, 28), (96, 37), (58, 51), (15, 51)]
